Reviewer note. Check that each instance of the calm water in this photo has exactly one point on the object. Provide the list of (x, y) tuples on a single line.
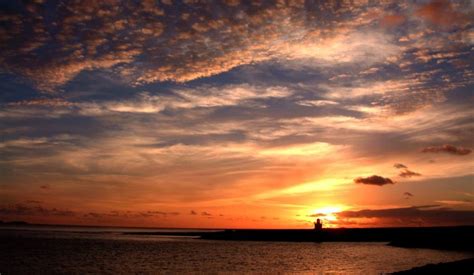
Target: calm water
[(108, 251)]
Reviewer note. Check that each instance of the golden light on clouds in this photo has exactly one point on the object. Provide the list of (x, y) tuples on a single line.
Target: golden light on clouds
[(258, 115), (317, 149)]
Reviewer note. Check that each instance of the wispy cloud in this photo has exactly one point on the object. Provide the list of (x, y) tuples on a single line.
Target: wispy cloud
[(408, 174), (447, 148)]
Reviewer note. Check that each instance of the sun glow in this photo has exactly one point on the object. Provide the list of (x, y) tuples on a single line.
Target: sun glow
[(327, 213)]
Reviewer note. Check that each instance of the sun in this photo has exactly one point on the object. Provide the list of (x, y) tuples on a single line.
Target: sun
[(327, 213)]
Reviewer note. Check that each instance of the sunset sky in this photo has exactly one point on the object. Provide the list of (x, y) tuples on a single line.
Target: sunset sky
[(237, 114)]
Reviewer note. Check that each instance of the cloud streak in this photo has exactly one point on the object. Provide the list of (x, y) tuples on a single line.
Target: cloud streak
[(399, 166), (414, 215), (447, 148), (33, 210), (408, 174)]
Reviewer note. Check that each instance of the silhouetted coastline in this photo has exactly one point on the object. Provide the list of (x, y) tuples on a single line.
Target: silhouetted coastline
[(182, 251), (6, 223), (171, 233), (465, 266), (447, 238)]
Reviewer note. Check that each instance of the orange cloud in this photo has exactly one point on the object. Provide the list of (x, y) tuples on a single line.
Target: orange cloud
[(392, 20), (441, 13), (51, 102)]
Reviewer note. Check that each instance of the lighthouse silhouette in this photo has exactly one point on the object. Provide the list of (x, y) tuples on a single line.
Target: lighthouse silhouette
[(318, 225)]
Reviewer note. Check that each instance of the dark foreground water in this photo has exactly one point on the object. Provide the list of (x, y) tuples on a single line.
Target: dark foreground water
[(76, 251)]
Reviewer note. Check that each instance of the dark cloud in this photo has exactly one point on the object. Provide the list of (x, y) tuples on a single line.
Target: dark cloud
[(407, 195), (204, 213), (33, 210), (34, 202), (93, 215), (129, 214), (48, 102), (192, 212), (447, 148), (408, 174), (426, 214), (399, 166), (45, 186), (374, 180), (161, 213), (315, 215)]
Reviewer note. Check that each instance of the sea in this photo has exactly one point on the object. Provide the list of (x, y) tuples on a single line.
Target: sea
[(106, 250)]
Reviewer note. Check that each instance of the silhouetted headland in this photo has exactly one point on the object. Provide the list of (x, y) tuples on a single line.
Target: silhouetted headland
[(449, 238), (14, 223), (465, 266)]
